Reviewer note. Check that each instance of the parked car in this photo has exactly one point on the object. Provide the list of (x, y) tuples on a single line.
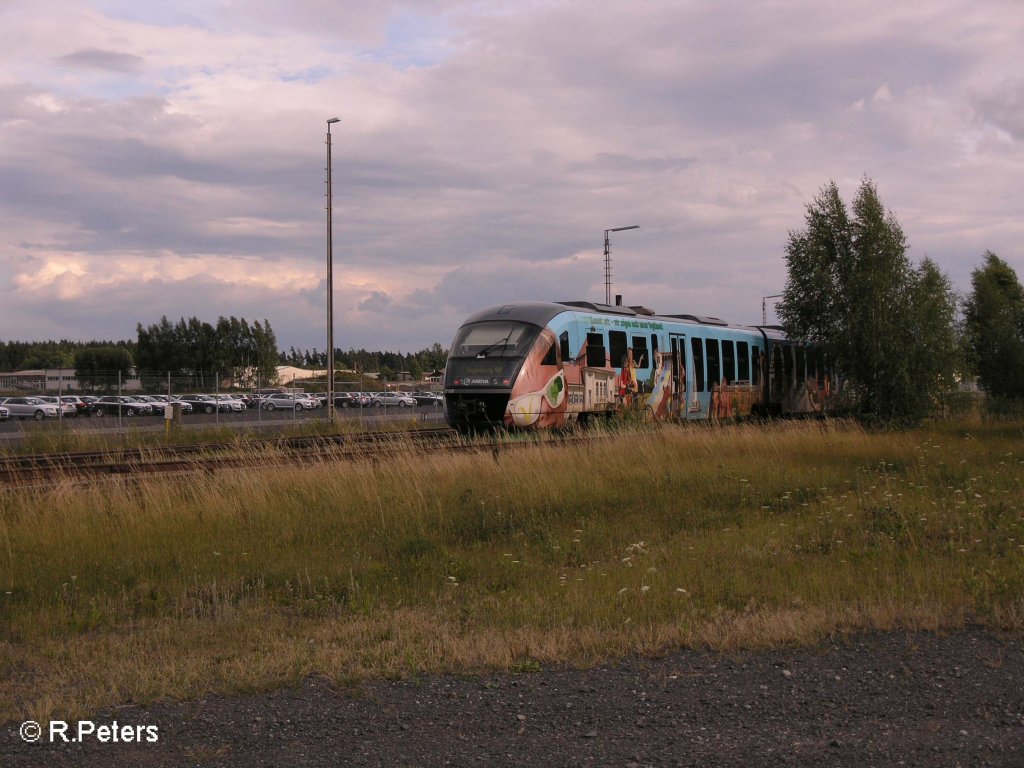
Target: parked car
[(90, 403), (428, 398), (283, 400), (351, 400), (385, 399), (82, 408), (112, 405), (309, 402), (65, 410), (236, 405), (205, 403), (30, 408), (160, 402), (186, 407), (4, 413), (280, 401)]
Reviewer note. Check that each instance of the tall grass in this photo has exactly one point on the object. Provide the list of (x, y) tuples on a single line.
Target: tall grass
[(57, 438), (404, 563)]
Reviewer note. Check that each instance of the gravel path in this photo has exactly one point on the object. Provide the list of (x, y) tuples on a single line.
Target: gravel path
[(891, 699)]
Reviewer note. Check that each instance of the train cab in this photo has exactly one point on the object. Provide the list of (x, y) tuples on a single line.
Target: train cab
[(488, 357)]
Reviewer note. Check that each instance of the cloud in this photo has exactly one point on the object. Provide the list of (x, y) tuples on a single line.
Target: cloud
[(111, 61), (163, 160)]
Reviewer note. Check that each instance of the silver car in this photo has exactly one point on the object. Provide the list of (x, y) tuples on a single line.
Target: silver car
[(30, 408), (288, 402), (233, 403), (66, 409), (390, 399)]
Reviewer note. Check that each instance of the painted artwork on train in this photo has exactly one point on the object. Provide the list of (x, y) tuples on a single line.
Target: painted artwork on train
[(537, 365)]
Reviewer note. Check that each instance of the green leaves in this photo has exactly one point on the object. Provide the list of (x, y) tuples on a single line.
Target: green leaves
[(994, 320), (851, 291)]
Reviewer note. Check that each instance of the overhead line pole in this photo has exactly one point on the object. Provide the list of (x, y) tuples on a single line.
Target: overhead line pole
[(608, 261)]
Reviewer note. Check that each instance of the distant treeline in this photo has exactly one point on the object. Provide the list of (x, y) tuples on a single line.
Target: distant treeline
[(386, 364), (39, 355), (191, 347), (233, 347)]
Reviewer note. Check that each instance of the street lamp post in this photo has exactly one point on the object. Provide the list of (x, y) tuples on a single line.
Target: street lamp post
[(608, 261), (764, 306), (330, 280)]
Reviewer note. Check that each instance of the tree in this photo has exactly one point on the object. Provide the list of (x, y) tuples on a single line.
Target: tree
[(100, 366), (994, 328), (852, 292), (195, 348)]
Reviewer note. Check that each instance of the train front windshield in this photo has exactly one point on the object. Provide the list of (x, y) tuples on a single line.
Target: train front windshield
[(487, 354)]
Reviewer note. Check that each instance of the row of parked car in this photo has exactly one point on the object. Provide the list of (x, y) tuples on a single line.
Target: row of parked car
[(42, 407), (353, 400)]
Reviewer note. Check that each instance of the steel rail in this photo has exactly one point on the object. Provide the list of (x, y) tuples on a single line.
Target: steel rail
[(52, 469)]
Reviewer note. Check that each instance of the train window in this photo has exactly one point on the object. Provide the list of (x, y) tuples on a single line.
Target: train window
[(640, 356), (728, 360), (787, 362), (697, 347), (493, 339), (563, 342), (819, 367), (654, 344), (617, 347), (714, 369), (801, 358), (778, 380), (551, 356), (755, 364), (595, 351), (743, 359)]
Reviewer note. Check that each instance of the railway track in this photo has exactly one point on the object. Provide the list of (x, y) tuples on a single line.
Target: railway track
[(51, 468)]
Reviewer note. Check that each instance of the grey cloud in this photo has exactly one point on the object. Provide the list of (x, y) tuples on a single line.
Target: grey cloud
[(379, 301), (709, 125), (111, 61), (1004, 108), (611, 162)]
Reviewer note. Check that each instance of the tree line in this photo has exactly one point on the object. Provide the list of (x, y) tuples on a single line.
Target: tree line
[(897, 332), (241, 351), (418, 364), (40, 355)]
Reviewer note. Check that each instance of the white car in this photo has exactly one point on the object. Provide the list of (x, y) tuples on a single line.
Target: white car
[(236, 405), (288, 402), (4, 414), (30, 408), (66, 409), (385, 399)]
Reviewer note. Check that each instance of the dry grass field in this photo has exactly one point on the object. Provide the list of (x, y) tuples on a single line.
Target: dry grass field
[(406, 563)]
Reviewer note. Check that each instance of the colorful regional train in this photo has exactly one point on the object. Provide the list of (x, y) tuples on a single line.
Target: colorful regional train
[(538, 365)]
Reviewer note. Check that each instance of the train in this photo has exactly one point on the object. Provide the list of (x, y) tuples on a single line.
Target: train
[(536, 365)]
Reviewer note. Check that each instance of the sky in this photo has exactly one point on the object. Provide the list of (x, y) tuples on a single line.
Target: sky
[(169, 159)]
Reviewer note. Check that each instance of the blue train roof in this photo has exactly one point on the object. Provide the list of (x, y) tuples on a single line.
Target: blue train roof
[(541, 312)]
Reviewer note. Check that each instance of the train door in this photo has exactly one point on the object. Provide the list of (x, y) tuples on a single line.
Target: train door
[(677, 346)]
